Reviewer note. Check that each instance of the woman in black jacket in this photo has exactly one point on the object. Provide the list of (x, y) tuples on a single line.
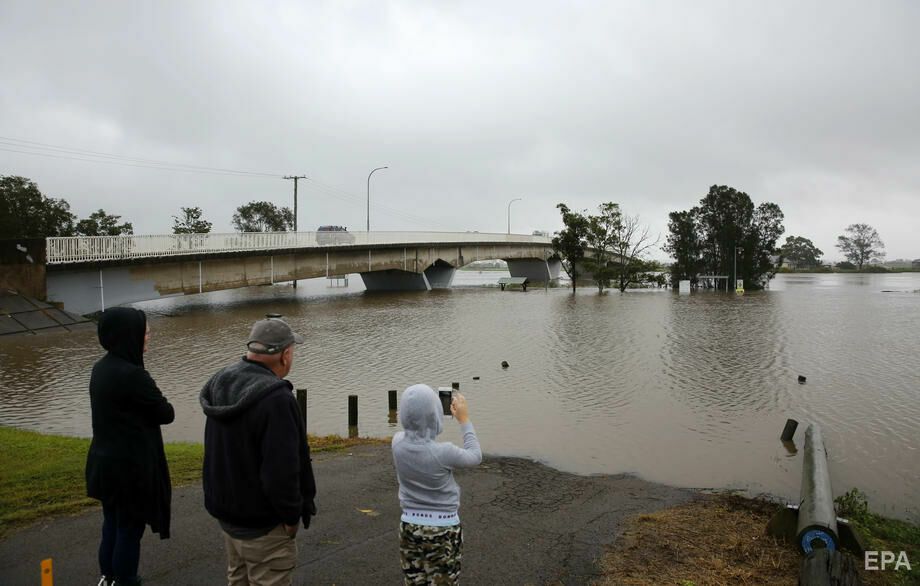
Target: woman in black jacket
[(126, 465)]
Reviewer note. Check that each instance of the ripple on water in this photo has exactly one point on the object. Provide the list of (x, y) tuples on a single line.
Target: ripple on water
[(690, 390)]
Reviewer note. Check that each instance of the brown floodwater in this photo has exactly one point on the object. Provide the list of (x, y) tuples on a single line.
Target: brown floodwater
[(686, 390)]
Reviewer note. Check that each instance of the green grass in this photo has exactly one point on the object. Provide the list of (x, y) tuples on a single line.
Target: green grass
[(882, 533), (42, 475)]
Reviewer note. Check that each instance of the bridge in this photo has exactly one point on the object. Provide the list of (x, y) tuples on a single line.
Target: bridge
[(90, 273)]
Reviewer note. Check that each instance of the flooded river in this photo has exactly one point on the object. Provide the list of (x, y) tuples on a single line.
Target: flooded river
[(686, 390)]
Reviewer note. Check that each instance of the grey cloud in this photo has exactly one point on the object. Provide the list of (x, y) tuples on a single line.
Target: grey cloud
[(471, 104)]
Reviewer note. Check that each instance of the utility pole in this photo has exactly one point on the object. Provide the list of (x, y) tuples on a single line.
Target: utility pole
[(295, 178)]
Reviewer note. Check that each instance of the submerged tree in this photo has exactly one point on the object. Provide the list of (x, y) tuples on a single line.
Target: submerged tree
[(632, 245), (263, 216), (100, 223), (683, 243), (570, 243), (618, 244), (861, 244), (27, 213), (602, 234), (801, 252), (725, 224)]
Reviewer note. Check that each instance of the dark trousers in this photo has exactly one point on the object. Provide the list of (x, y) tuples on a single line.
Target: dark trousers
[(120, 550)]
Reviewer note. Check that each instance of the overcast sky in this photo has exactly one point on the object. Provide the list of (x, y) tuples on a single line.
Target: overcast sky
[(812, 105)]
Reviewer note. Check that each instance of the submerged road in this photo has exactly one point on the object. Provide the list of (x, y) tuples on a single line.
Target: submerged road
[(523, 523)]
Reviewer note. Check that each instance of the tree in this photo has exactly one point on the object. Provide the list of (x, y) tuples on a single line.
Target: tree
[(263, 216), (801, 252), (684, 245), (707, 237), (861, 244), (632, 244), (100, 223), (570, 243), (189, 222), (759, 255), (26, 213), (602, 237)]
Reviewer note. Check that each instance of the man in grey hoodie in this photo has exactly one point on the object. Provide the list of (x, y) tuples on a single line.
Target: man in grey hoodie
[(430, 536)]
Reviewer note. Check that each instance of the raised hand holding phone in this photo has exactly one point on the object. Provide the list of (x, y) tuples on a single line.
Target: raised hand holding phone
[(459, 409)]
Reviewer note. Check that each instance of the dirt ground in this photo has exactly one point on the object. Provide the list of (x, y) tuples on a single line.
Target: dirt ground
[(715, 540)]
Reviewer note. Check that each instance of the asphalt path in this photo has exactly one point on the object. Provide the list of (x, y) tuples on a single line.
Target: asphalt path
[(523, 523)]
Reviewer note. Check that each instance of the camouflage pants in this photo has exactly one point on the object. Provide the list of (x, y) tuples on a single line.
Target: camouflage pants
[(430, 555)]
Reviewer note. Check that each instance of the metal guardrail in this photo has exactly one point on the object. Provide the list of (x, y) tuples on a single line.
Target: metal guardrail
[(74, 249)]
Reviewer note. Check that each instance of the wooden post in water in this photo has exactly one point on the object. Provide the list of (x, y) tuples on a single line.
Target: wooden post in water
[(302, 403), (789, 430), (352, 410), (391, 397), (817, 527)]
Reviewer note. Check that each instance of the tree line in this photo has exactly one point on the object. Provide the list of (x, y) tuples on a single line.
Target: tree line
[(723, 239), (860, 245), (618, 242), (25, 212), (725, 236)]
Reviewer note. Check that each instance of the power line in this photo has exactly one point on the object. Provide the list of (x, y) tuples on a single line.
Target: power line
[(40, 146), (61, 152), (125, 164)]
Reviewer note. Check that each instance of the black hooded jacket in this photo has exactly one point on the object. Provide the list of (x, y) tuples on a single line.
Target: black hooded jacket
[(126, 464), (257, 470)]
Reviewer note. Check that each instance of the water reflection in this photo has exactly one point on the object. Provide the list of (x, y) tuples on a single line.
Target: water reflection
[(690, 390)]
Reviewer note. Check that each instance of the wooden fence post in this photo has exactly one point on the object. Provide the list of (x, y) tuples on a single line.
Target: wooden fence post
[(302, 403)]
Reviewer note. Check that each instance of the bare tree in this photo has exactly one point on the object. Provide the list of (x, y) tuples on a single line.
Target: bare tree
[(632, 244)]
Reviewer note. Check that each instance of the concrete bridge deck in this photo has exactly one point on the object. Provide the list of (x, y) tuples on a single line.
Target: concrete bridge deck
[(119, 249), (87, 274)]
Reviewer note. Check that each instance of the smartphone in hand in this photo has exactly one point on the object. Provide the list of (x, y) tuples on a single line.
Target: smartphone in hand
[(446, 396)]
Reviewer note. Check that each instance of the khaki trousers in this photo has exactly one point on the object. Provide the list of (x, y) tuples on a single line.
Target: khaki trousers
[(264, 561)]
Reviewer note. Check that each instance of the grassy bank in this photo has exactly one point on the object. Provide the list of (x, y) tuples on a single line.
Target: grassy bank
[(42, 475), (721, 539)]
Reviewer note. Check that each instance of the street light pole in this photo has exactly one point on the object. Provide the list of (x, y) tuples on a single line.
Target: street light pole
[(509, 212), (295, 178), (369, 196)]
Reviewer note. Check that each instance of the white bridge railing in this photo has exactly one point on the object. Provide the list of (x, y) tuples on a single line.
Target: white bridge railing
[(73, 249)]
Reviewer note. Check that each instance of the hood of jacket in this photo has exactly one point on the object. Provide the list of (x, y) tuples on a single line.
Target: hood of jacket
[(121, 331), (420, 413), (238, 387)]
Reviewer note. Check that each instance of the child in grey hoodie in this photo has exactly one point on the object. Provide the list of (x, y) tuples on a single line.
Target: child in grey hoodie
[(430, 536)]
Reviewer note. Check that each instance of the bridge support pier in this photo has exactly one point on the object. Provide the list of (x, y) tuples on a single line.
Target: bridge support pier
[(395, 280), (440, 275), (539, 271)]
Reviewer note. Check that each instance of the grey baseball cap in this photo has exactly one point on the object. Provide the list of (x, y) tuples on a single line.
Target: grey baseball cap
[(271, 335)]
